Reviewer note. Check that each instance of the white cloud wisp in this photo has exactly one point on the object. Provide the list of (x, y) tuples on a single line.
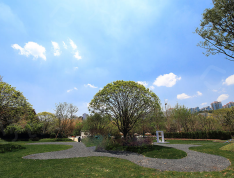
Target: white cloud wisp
[(57, 51), (31, 48), (89, 85)]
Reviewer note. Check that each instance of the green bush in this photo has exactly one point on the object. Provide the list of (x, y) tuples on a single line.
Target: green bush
[(200, 135), (52, 135), (10, 147), (34, 139)]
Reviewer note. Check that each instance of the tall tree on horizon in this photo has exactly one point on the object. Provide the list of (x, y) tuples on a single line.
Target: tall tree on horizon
[(125, 102)]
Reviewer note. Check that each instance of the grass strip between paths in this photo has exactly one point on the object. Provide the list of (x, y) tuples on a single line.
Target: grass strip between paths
[(13, 165)]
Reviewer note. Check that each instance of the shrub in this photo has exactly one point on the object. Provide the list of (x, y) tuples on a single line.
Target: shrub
[(52, 135), (10, 147), (34, 139)]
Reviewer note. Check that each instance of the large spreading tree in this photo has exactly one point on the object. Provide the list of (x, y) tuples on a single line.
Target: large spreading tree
[(217, 29), (13, 105), (125, 102)]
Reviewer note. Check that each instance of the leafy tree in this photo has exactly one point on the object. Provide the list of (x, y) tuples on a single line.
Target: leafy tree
[(98, 124), (46, 118), (65, 114), (125, 102), (217, 29), (13, 105), (229, 119)]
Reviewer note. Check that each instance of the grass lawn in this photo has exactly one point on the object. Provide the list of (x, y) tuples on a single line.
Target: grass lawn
[(13, 165)]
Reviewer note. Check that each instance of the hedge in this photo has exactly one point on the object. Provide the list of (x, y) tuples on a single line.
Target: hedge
[(200, 135)]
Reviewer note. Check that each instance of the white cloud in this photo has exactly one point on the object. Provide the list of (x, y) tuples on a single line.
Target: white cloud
[(183, 96), (69, 90), (31, 48), (203, 104), (167, 80), (143, 83), (214, 90), (75, 88), (223, 97), (229, 80), (92, 86), (64, 45), (151, 87), (75, 68), (77, 55), (100, 88), (56, 48), (73, 45), (199, 93), (87, 104)]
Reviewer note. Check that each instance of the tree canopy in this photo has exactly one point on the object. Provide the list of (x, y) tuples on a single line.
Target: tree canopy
[(13, 105), (125, 102), (217, 29)]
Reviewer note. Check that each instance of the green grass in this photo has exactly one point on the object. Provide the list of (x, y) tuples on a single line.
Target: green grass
[(228, 147), (41, 140), (13, 165), (155, 151)]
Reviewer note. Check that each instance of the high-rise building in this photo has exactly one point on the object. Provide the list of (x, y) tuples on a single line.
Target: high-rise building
[(196, 109), (230, 104), (216, 105), (207, 108)]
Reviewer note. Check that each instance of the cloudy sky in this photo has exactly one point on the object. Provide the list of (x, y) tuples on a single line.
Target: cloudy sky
[(66, 51)]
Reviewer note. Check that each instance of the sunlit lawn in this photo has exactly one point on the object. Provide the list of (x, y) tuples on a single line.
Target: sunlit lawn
[(13, 165)]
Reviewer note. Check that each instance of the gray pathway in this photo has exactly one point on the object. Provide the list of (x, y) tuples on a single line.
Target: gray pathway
[(194, 162)]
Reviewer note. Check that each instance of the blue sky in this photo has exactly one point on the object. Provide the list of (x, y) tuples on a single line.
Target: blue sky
[(66, 51)]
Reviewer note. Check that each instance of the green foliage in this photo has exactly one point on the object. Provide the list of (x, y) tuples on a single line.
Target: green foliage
[(217, 29), (10, 147), (13, 106), (65, 113), (91, 141), (98, 124), (229, 119), (34, 139), (48, 121), (125, 102), (200, 135)]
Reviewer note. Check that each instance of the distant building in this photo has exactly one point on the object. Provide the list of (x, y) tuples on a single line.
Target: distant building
[(196, 109), (228, 105), (85, 116), (207, 108), (216, 105), (193, 110)]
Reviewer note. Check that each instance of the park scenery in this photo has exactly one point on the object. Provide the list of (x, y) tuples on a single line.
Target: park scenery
[(120, 47)]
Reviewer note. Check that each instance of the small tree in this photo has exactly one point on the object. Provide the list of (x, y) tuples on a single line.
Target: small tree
[(125, 102), (46, 118), (65, 114), (98, 124)]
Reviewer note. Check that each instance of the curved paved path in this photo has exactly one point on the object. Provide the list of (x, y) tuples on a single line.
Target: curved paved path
[(194, 162)]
